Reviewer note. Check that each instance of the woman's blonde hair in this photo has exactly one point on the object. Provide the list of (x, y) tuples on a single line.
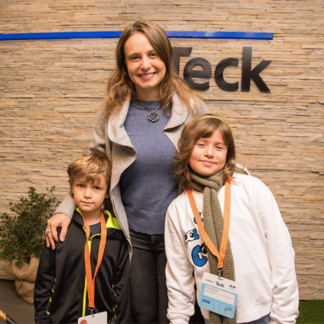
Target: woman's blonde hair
[(91, 165), (120, 85), (203, 126)]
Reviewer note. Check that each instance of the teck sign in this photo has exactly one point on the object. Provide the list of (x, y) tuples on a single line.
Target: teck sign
[(247, 74)]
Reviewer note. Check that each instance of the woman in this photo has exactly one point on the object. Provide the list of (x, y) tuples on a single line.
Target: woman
[(146, 107)]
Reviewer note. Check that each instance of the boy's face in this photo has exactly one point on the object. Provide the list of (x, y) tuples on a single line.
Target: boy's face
[(88, 196), (208, 155)]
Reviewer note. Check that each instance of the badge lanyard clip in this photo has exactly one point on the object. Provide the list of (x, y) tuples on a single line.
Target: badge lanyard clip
[(220, 273), (102, 244), (227, 211)]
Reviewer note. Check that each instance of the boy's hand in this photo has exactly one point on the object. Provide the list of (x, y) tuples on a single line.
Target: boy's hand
[(58, 220)]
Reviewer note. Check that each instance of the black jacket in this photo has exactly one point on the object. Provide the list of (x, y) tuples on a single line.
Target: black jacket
[(60, 290)]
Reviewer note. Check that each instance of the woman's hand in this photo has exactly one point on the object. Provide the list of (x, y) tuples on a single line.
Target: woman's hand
[(58, 220)]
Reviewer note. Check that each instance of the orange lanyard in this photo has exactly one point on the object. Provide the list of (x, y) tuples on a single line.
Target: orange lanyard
[(227, 210), (90, 280)]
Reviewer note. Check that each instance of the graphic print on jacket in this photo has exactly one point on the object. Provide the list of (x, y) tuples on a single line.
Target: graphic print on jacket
[(199, 252)]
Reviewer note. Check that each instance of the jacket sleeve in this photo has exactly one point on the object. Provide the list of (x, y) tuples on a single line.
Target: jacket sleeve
[(122, 284), (179, 271), (100, 138), (285, 298), (43, 286), (68, 206), (200, 107)]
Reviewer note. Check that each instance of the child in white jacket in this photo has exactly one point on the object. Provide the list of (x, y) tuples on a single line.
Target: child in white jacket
[(257, 257)]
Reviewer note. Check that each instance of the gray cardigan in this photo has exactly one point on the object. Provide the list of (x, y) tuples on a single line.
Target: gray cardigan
[(110, 137)]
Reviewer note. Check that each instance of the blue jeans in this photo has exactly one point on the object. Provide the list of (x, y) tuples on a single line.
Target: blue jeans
[(149, 299), (262, 320)]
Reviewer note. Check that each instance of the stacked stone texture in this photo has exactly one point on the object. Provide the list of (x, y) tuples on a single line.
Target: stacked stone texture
[(51, 90)]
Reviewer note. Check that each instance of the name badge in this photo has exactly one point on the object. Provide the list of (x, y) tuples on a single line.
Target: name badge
[(218, 295), (98, 318)]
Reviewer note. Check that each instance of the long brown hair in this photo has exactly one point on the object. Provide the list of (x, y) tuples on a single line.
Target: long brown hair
[(202, 127), (120, 85)]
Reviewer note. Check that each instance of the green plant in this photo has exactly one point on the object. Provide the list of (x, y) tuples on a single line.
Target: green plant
[(22, 235)]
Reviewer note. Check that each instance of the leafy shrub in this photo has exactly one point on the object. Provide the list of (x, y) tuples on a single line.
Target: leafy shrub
[(22, 235)]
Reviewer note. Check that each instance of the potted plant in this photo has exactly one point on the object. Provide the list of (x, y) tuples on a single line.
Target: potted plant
[(22, 238)]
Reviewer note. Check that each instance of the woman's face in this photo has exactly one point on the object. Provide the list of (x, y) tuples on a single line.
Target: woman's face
[(144, 66), (208, 156)]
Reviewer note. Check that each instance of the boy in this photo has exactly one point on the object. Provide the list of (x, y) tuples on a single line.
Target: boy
[(71, 282)]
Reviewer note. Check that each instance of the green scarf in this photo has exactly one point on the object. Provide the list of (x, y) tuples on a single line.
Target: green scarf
[(213, 223)]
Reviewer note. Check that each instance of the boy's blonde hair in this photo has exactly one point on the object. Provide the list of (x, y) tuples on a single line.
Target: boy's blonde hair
[(90, 165), (203, 126)]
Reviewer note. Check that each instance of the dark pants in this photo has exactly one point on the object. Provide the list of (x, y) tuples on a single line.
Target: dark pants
[(149, 300), (263, 320)]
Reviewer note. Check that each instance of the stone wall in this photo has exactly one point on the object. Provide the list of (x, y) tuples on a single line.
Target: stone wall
[(50, 92)]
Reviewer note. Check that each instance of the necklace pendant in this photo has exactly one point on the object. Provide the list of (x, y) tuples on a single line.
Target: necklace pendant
[(153, 116)]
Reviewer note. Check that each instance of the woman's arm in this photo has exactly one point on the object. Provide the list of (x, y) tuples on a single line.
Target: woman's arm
[(58, 220), (61, 218), (200, 107)]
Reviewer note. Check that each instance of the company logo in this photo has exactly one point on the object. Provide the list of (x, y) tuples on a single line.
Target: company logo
[(232, 288), (247, 72), (219, 284)]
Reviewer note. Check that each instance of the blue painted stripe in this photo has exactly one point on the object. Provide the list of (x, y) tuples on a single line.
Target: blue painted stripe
[(220, 34), (116, 34), (62, 35)]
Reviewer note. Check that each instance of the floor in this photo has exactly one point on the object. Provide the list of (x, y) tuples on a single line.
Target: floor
[(12, 305)]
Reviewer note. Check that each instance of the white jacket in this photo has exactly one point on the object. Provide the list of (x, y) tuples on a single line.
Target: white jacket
[(262, 252)]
